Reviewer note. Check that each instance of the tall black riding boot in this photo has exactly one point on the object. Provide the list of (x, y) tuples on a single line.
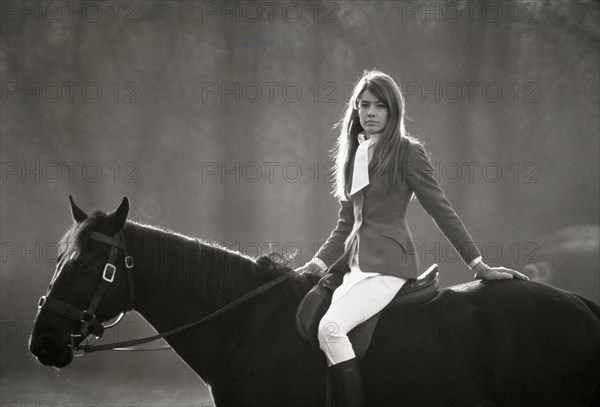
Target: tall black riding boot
[(346, 384)]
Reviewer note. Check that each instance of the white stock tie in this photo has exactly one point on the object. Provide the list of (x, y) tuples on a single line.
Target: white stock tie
[(360, 175)]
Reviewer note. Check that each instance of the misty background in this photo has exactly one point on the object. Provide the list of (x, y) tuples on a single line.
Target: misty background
[(215, 119)]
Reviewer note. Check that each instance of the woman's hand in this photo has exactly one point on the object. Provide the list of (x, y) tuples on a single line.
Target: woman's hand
[(311, 268), (484, 272)]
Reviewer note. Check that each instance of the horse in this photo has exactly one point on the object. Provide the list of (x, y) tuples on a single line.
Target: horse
[(483, 343)]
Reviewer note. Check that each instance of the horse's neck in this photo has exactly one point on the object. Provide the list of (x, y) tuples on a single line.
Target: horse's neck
[(169, 305), (219, 351), (168, 267)]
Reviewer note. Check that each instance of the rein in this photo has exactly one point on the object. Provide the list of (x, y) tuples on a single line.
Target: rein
[(91, 325), (126, 345)]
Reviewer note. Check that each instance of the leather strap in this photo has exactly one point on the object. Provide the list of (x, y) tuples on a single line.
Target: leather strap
[(89, 322), (121, 345)]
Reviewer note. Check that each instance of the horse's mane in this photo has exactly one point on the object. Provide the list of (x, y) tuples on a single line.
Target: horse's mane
[(192, 265)]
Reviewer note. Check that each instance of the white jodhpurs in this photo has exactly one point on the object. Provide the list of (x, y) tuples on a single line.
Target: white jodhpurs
[(360, 296)]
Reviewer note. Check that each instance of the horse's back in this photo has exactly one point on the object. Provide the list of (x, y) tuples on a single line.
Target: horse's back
[(493, 343)]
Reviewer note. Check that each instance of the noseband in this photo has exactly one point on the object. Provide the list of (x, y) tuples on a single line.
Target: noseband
[(87, 317)]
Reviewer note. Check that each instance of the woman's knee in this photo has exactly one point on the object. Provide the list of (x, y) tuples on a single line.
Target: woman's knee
[(330, 331)]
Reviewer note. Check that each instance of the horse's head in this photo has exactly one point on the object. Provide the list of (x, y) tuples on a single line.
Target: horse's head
[(90, 285)]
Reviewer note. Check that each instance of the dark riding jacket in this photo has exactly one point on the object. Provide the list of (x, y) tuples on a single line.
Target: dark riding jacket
[(377, 218)]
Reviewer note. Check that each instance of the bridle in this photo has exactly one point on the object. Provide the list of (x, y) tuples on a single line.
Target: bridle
[(89, 322), (91, 325)]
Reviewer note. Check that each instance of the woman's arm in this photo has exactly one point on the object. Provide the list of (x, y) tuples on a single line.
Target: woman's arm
[(419, 175), (333, 248)]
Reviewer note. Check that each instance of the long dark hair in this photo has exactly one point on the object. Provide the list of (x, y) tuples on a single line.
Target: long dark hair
[(388, 151)]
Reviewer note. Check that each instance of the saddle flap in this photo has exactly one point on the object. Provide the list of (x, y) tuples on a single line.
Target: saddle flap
[(360, 336), (314, 305)]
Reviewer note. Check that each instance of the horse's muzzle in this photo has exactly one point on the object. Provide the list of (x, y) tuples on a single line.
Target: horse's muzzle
[(50, 351)]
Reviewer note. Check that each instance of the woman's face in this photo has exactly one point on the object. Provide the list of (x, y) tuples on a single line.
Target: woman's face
[(372, 112)]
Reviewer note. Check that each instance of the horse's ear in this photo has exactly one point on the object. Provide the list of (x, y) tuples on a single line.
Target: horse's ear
[(119, 216), (78, 215)]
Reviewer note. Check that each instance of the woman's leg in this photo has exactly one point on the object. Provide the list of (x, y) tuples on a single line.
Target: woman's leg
[(359, 303), (361, 297)]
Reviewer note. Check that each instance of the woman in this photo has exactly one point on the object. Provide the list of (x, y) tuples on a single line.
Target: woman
[(378, 168)]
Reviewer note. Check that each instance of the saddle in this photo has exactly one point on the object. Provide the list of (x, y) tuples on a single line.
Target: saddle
[(318, 299)]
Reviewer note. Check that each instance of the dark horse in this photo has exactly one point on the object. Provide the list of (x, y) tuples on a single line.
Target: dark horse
[(485, 343)]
